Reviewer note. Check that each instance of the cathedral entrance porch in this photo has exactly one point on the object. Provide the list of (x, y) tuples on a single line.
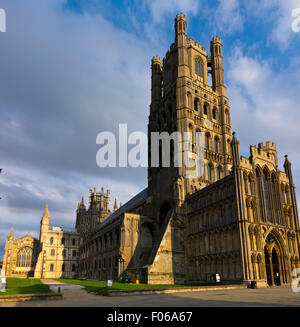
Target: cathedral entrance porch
[(276, 268)]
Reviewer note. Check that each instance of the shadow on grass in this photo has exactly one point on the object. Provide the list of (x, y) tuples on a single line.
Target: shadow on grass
[(25, 286)]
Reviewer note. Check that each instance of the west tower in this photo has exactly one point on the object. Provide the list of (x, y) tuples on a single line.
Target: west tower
[(182, 100)]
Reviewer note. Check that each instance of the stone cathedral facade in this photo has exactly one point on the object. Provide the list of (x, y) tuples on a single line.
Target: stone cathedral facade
[(54, 255), (239, 219)]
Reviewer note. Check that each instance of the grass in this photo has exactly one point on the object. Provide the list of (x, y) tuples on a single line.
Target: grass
[(101, 288), (25, 286)]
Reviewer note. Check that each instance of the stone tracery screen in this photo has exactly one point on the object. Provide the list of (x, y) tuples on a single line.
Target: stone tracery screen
[(24, 258)]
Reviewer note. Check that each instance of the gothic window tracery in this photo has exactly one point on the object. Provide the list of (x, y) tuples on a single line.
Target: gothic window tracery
[(205, 109), (210, 172), (214, 113), (227, 118), (216, 144), (199, 67), (24, 257), (196, 104), (266, 195), (207, 141)]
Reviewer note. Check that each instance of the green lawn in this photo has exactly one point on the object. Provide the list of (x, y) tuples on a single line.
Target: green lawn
[(25, 286), (101, 287)]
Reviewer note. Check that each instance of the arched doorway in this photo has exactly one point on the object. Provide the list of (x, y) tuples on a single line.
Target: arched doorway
[(274, 260)]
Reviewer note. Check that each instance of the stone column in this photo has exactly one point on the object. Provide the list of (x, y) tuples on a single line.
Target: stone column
[(271, 268)]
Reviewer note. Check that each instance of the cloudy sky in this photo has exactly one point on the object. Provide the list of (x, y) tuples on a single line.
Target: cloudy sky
[(72, 69)]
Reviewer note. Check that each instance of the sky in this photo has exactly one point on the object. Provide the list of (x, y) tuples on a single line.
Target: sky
[(70, 69)]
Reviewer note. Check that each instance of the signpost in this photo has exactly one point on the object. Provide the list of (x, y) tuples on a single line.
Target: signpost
[(109, 283)]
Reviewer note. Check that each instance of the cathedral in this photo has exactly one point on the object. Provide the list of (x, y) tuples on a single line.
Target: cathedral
[(55, 254), (239, 219)]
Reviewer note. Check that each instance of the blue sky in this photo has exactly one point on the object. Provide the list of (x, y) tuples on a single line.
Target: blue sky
[(71, 69)]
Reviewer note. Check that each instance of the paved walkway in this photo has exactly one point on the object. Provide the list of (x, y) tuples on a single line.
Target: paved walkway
[(265, 297), (55, 285), (51, 282)]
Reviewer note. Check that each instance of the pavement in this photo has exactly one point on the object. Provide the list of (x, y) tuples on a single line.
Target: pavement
[(54, 285), (263, 297)]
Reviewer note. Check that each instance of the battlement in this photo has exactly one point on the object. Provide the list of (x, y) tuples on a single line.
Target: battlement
[(98, 196), (265, 151), (196, 45), (179, 17), (268, 146), (216, 39), (156, 60)]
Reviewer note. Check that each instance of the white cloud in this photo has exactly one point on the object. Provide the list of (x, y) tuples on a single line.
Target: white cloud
[(65, 78), (265, 106), (159, 8), (279, 14), (227, 16), (282, 32)]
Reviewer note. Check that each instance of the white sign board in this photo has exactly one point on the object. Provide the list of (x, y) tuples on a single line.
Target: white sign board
[(2, 281), (109, 283), (218, 278)]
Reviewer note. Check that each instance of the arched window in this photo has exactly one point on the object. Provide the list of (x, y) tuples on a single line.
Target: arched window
[(246, 183), (205, 109), (196, 104), (227, 118), (228, 147), (199, 67), (210, 172), (24, 257), (216, 50), (207, 141), (266, 194), (214, 113), (216, 144), (190, 137), (189, 100)]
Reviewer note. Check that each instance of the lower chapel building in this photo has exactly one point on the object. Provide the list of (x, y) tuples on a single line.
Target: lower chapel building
[(239, 219)]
